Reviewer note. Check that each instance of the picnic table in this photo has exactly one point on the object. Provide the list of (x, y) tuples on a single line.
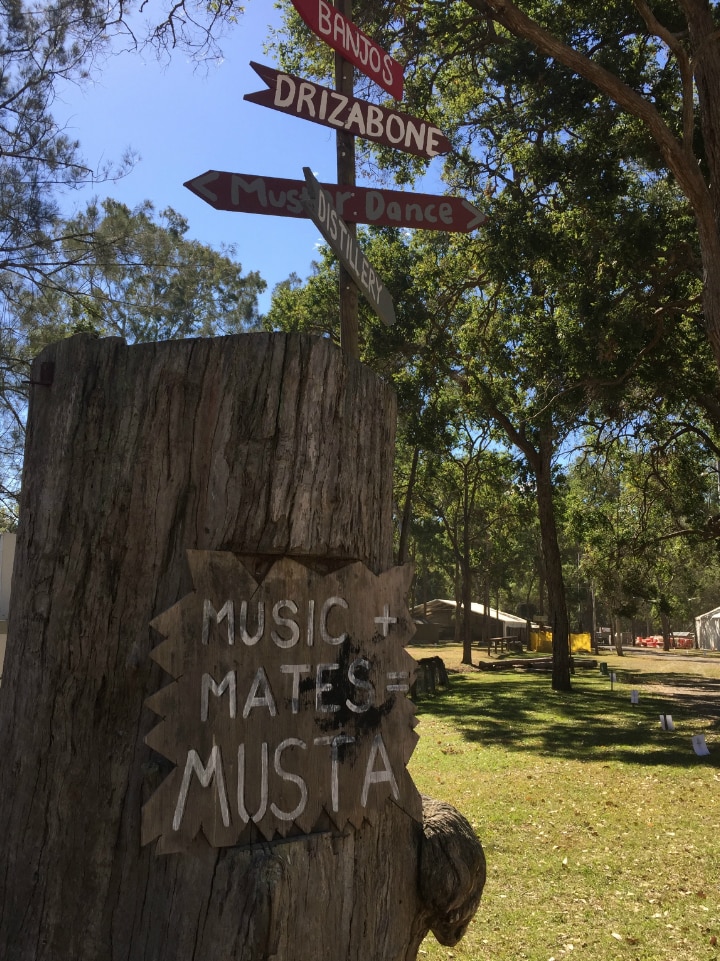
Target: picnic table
[(510, 643)]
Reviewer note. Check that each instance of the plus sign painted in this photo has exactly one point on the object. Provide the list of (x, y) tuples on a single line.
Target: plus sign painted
[(386, 620)]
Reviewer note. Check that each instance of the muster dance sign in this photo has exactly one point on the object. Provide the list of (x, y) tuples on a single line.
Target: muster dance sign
[(284, 197), (289, 709)]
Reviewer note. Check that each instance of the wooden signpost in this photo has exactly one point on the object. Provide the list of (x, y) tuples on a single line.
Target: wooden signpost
[(303, 98), (320, 208), (343, 36), (289, 702), (350, 118), (254, 194)]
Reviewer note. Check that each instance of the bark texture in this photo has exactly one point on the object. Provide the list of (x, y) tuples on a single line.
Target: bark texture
[(263, 445)]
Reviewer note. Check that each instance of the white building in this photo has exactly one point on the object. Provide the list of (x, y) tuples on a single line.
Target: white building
[(707, 630)]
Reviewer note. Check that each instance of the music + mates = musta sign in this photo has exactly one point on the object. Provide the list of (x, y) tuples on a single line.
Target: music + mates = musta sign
[(289, 711)]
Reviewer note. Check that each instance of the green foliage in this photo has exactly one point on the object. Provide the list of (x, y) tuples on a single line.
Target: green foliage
[(642, 509), (127, 273)]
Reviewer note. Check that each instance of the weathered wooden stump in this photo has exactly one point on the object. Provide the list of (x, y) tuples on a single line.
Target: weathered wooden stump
[(260, 445)]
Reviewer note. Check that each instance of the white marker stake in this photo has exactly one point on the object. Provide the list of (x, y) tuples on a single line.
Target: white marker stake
[(698, 743), (666, 722), (634, 697)]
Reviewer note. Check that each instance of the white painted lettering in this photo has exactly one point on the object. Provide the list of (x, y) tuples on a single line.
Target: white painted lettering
[(296, 670), (306, 92), (285, 622), (322, 687), (396, 120), (293, 205), (356, 118), (265, 699), (387, 69), (262, 806), (226, 611), (342, 102), (374, 205), (433, 134), (374, 121), (205, 774), (378, 777), (415, 130), (341, 196), (256, 186), (324, 22), (287, 776), (362, 684), (324, 613), (284, 91), (445, 213), (335, 744), (250, 639), (207, 684), (310, 636)]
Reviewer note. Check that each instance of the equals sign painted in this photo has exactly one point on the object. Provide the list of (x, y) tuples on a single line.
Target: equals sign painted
[(397, 677)]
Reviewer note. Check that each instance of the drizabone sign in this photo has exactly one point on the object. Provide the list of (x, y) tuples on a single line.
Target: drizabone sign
[(289, 711)]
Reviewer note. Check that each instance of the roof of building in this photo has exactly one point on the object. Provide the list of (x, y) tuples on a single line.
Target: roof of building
[(440, 604)]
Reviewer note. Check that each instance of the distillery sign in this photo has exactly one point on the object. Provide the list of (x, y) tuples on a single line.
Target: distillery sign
[(289, 702), (320, 207)]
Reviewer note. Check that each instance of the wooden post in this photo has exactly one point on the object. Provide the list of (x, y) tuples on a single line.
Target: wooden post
[(260, 444), (345, 147)]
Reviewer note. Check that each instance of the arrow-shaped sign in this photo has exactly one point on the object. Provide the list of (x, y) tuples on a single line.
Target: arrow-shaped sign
[(302, 98), (342, 35), (252, 194), (320, 208)]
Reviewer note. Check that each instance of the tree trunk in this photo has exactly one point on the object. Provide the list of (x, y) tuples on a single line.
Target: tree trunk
[(261, 444), (406, 523), (665, 625), (467, 611), (553, 568), (458, 625), (617, 636)]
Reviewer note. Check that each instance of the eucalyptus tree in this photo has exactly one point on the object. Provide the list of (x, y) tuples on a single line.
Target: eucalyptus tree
[(134, 273), (468, 487), (655, 67), (120, 272), (587, 275), (643, 512)]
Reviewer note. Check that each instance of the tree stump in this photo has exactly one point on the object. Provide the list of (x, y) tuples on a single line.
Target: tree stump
[(263, 445)]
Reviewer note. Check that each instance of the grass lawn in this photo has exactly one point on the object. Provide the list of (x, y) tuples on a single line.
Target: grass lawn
[(601, 830)]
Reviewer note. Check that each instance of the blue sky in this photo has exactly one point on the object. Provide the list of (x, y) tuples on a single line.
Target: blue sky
[(183, 120)]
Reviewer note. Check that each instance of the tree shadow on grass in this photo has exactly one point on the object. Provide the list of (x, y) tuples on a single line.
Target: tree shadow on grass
[(521, 712)]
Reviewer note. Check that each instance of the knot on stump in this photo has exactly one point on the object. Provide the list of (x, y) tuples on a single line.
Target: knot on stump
[(452, 871)]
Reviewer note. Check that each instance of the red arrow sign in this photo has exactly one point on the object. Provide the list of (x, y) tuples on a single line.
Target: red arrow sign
[(342, 35), (302, 98), (252, 194)]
